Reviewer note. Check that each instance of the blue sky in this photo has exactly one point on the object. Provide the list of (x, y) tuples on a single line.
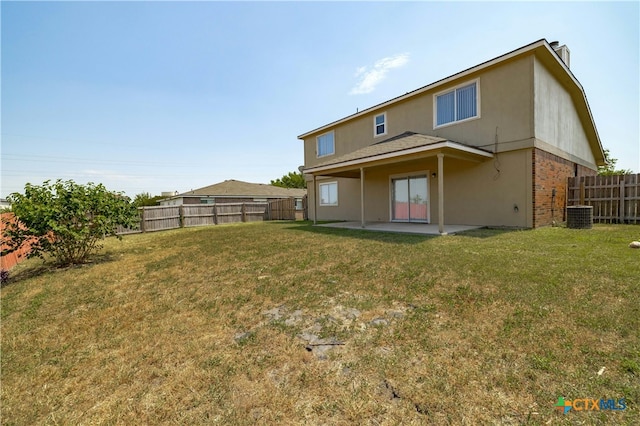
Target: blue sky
[(164, 96)]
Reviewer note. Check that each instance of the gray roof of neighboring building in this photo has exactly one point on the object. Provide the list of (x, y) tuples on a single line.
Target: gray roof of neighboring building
[(237, 188)]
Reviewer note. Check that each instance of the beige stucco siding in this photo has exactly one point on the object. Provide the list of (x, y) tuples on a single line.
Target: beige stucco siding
[(486, 193), (348, 207), (506, 106), (558, 128)]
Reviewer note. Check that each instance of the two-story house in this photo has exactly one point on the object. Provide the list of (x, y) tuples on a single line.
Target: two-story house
[(492, 145)]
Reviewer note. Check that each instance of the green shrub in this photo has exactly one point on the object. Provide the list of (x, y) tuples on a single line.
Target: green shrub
[(67, 220)]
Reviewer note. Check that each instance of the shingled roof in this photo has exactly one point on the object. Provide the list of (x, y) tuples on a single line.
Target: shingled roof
[(403, 144), (237, 188)]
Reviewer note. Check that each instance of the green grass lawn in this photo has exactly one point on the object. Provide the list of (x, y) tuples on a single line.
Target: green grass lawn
[(284, 323)]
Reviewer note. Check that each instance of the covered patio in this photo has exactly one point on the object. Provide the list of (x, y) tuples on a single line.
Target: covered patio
[(409, 149)]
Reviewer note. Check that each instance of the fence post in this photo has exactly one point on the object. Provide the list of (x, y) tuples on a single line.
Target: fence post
[(142, 224), (622, 194), (582, 191), (292, 208), (567, 191), (636, 200), (181, 214), (215, 214), (243, 212)]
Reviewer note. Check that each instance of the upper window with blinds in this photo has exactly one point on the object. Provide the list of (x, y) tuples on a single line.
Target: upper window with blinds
[(457, 104), (325, 144)]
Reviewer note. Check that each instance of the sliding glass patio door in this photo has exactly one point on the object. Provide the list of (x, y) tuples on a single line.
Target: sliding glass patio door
[(409, 199)]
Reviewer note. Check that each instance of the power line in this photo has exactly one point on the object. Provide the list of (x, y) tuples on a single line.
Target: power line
[(58, 159)]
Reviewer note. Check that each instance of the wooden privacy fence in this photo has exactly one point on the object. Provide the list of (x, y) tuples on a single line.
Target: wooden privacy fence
[(161, 218), (615, 199), (171, 217), (282, 209)]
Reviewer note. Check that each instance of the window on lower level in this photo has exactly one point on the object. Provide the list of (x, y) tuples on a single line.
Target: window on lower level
[(329, 194), (325, 144), (460, 103)]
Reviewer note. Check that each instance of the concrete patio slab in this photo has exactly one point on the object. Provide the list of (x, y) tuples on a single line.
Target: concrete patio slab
[(402, 227)]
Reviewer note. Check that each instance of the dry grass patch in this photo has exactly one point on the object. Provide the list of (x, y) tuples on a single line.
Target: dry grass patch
[(290, 324)]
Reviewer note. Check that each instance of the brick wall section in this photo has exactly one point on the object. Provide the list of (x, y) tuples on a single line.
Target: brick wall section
[(551, 172), (585, 171)]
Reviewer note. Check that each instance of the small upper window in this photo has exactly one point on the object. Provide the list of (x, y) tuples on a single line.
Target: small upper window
[(380, 124), (458, 104), (325, 144)]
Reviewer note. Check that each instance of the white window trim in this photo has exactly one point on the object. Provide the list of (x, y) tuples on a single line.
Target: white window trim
[(450, 89), (408, 175), (318, 147), (320, 192), (384, 114)]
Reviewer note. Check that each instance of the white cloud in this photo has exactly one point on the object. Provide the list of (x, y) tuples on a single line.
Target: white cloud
[(370, 78)]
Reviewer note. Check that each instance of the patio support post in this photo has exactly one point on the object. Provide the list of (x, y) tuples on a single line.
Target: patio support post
[(362, 196), (441, 194), (315, 201)]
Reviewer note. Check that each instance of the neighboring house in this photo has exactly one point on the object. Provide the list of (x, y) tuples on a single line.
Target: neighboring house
[(235, 191), (4, 204), (492, 145)]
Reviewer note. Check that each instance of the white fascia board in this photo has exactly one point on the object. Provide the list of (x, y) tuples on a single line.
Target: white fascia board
[(417, 150)]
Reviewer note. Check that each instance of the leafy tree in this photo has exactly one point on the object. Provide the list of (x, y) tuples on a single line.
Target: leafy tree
[(610, 166), (67, 220), (291, 180), (145, 199)]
